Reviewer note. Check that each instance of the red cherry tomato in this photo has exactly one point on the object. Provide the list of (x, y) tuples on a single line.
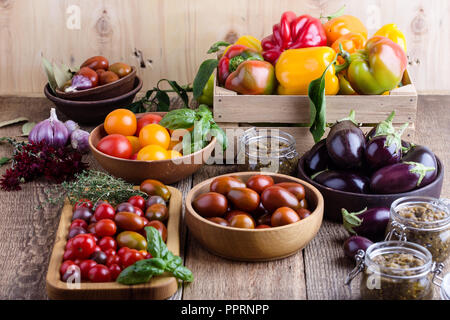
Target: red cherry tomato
[(107, 243), (86, 203), (111, 252), (105, 227), (85, 266), (130, 257), (122, 251), (139, 212), (158, 225), (97, 249), (79, 223), (116, 145), (114, 270), (104, 211), (112, 260), (66, 264), (137, 201), (83, 246), (145, 120), (99, 273)]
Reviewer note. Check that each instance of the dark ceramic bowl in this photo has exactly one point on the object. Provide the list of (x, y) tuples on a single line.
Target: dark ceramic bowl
[(336, 200), (92, 112), (106, 91)]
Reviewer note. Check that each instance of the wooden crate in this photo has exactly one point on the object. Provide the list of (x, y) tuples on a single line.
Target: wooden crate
[(291, 113)]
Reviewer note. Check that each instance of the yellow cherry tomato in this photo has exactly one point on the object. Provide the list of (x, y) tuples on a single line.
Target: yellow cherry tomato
[(174, 154), (135, 144), (120, 121), (153, 152), (154, 134)]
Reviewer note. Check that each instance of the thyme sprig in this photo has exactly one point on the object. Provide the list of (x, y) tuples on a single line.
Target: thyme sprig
[(92, 185)]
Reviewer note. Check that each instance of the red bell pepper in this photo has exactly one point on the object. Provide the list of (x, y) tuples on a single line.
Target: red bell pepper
[(293, 33), (235, 55)]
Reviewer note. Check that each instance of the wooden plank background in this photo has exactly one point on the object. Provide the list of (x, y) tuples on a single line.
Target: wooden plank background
[(169, 38)]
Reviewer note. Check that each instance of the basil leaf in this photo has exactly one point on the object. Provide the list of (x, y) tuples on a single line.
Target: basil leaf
[(203, 74), (179, 119), (173, 264), (199, 133), (220, 135), (155, 243), (316, 94), (216, 46), (183, 273), (142, 271)]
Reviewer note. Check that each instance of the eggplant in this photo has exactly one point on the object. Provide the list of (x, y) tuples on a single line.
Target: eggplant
[(369, 223), (398, 178), (317, 159), (382, 151), (425, 156), (355, 243), (383, 128), (346, 143), (343, 181), (406, 147)]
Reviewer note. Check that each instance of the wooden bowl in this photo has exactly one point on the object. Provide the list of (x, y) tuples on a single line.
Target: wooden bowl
[(92, 112), (106, 91), (335, 200), (255, 244), (135, 171)]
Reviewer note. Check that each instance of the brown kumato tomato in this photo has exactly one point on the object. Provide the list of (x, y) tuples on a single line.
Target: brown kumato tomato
[(158, 225), (120, 68), (263, 226), (90, 74), (259, 182), (232, 213), (295, 188), (259, 211), (244, 199), (223, 185), (283, 216), (158, 212), (303, 213), (304, 204), (155, 188), (210, 204), (276, 197), (220, 221), (129, 221), (264, 219), (107, 77), (243, 221), (132, 240), (96, 62)]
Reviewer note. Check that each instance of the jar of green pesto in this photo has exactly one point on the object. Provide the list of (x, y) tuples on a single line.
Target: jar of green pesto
[(422, 220), (268, 150), (397, 270)]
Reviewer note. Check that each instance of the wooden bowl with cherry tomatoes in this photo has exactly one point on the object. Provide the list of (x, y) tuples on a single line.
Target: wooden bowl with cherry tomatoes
[(254, 216), (108, 80), (135, 148)]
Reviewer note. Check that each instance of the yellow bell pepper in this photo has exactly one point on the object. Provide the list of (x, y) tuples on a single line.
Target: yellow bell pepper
[(392, 32), (296, 68), (248, 41)]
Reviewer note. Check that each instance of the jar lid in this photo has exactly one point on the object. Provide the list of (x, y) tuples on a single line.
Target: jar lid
[(445, 287)]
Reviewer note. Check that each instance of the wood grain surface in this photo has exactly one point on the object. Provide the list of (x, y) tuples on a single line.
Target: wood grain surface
[(317, 272), (169, 38)]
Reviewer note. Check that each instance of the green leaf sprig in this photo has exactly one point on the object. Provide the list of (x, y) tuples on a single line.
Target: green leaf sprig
[(162, 261)]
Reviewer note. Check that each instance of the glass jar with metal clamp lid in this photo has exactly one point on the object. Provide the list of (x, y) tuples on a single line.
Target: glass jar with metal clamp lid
[(268, 149), (422, 220), (398, 270)]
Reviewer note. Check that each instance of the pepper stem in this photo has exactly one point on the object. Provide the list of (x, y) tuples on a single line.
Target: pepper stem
[(338, 13), (351, 219)]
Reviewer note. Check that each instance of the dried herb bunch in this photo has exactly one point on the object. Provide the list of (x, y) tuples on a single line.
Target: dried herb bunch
[(92, 185)]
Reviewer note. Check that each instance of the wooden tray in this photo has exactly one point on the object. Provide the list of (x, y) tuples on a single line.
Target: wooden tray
[(161, 287)]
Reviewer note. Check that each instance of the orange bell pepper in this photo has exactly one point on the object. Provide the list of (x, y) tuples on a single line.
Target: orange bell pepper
[(351, 42), (296, 68), (342, 25)]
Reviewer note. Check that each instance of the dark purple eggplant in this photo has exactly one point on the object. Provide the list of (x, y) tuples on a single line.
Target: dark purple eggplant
[(425, 156), (369, 223), (317, 159), (355, 243), (406, 147), (398, 178), (382, 151), (346, 143), (343, 181)]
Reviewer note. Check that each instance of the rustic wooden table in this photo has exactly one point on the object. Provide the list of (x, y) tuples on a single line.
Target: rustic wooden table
[(317, 272)]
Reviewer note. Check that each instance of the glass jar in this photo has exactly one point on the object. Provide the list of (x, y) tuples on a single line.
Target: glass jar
[(422, 220), (396, 270), (269, 150)]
